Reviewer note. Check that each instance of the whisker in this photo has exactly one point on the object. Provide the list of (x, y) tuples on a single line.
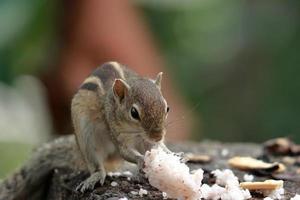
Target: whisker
[(182, 117)]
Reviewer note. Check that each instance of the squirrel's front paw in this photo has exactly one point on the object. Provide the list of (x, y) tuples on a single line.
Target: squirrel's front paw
[(90, 182), (141, 164)]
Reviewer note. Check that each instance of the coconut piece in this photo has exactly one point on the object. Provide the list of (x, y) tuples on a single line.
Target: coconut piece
[(231, 189), (252, 164), (169, 174), (197, 158), (212, 192), (296, 197), (225, 177), (266, 185), (166, 172)]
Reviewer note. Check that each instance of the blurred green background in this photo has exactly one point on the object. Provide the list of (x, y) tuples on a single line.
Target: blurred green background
[(237, 61)]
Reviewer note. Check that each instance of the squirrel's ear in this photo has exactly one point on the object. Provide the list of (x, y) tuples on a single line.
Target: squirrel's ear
[(158, 79), (120, 88)]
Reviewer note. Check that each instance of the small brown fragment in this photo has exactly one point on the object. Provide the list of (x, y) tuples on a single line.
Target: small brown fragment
[(250, 164), (282, 146), (295, 149), (288, 160), (265, 185), (197, 158)]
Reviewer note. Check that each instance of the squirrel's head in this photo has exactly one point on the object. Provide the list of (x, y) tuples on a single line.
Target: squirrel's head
[(141, 107)]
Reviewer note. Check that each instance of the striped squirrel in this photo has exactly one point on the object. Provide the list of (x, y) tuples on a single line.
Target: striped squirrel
[(114, 112), (117, 111)]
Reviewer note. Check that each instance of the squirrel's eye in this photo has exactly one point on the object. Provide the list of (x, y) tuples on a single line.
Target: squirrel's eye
[(168, 109), (134, 113)]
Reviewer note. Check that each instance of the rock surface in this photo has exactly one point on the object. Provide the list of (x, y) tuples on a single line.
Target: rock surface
[(63, 182)]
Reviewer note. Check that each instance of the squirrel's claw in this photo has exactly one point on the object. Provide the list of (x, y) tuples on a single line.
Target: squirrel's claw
[(90, 182)]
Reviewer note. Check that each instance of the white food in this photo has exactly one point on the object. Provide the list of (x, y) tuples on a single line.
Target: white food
[(230, 182), (127, 173), (114, 184), (274, 194), (296, 197), (116, 174), (268, 198), (142, 192), (165, 196), (134, 192), (166, 172), (225, 177), (248, 177), (224, 152)]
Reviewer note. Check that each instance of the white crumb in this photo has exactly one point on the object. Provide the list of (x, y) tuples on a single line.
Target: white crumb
[(128, 178), (114, 183), (116, 174), (232, 191), (165, 196), (224, 152), (142, 192), (127, 173), (296, 197), (248, 177), (109, 174), (235, 193), (212, 192), (267, 198), (134, 192), (123, 198), (274, 194), (225, 177)]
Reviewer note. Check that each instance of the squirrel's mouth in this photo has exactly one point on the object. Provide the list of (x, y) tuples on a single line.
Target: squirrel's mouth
[(156, 136)]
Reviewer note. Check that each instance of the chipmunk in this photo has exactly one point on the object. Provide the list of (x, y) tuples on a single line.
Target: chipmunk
[(117, 111), (114, 111)]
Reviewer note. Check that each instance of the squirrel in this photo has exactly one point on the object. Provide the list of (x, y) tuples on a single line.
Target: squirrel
[(114, 112), (117, 111)]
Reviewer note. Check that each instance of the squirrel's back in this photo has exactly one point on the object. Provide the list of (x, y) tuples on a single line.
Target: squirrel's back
[(102, 78)]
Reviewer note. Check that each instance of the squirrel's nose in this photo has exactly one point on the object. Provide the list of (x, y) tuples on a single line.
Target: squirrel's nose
[(157, 134)]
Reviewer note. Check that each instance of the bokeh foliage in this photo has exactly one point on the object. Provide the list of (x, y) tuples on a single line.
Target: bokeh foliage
[(27, 36), (237, 59)]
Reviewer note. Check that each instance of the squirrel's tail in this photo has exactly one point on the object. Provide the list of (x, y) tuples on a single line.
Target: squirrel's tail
[(29, 182)]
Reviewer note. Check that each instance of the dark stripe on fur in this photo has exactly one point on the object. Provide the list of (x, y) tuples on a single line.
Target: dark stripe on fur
[(107, 74)]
